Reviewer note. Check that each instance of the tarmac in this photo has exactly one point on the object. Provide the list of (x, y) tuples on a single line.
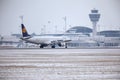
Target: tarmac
[(59, 64)]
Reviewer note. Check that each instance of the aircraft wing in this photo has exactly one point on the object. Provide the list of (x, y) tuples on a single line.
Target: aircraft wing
[(67, 40)]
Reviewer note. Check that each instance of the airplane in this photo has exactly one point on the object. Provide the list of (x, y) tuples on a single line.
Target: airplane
[(44, 41)]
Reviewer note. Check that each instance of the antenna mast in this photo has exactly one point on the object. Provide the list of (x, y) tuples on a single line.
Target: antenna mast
[(21, 17)]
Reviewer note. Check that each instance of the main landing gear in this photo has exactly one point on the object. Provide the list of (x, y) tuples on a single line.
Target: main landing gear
[(65, 45), (41, 46)]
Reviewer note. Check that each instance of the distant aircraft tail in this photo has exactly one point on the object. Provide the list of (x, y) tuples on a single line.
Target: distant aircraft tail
[(24, 31)]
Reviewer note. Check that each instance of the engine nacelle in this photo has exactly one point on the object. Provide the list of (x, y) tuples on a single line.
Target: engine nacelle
[(61, 44)]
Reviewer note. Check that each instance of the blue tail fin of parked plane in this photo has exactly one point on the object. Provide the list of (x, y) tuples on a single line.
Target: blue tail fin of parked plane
[(24, 31)]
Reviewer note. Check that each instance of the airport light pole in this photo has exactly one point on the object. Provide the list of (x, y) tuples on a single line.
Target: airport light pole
[(55, 29), (49, 26), (1, 39), (44, 29), (70, 26), (21, 19), (65, 20)]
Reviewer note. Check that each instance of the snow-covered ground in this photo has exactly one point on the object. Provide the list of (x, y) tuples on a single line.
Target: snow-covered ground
[(60, 64)]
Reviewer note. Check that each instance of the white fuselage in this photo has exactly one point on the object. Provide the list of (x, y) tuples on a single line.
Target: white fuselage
[(44, 39)]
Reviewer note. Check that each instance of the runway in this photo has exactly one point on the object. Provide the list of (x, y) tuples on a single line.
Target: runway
[(59, 64)]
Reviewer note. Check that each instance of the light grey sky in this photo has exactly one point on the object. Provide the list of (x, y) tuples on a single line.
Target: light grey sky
[(38, 13)]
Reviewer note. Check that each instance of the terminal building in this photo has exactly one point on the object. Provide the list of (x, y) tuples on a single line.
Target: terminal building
[(82, 37)]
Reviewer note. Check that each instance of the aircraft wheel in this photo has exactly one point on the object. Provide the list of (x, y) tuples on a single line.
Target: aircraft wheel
[(53, 46), (41, 47), (65, 45)]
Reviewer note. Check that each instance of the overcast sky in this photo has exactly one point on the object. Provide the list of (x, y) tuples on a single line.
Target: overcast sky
[(50, 13)]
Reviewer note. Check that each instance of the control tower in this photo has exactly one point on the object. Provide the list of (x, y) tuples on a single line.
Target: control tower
[(94, 17)]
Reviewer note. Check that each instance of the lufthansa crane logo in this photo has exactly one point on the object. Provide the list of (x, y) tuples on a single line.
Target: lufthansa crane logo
[(23, 30)]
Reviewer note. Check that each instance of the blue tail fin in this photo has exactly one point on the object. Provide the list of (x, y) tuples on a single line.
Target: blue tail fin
[(24, 31)]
